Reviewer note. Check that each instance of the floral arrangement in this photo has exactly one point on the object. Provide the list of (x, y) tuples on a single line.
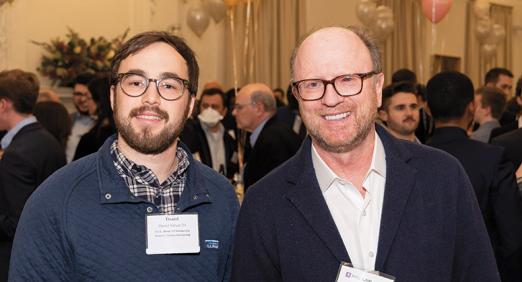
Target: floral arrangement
[(66, 59)]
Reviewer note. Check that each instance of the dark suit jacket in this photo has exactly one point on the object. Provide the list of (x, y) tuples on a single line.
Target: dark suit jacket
[(194, 137), (32, 156), (275, 144), (493, 179), (431, 228), (503, 129), (512, 142)]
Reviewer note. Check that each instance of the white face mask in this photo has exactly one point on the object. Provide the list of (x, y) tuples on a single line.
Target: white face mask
[(210, 117)]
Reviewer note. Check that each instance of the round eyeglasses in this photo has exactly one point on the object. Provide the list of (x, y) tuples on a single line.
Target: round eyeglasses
[(135, 85), (345, 85)]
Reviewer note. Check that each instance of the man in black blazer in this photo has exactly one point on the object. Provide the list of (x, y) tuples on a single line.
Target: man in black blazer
[(206, 136), (512, 142), (355, 194), (271, 142), (450, 98), (30, 155)]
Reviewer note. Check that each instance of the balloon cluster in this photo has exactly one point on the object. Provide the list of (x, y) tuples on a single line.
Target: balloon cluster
[(488, 33), (198, 17), (379, 19)]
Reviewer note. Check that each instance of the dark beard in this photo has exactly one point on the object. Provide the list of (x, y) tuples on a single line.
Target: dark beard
[(145, 142)]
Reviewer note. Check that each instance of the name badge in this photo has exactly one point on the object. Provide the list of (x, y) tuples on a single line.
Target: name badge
[(349, 274), (172, 234)]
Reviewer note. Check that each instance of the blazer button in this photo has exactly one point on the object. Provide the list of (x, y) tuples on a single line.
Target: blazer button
[(108, 196), (195, 197), (149, 209)]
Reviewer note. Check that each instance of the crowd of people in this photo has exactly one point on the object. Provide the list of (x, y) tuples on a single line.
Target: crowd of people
[(342, 175)]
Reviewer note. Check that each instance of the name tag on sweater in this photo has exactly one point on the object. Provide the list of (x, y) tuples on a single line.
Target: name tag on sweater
[(172, 234), (349, 274)]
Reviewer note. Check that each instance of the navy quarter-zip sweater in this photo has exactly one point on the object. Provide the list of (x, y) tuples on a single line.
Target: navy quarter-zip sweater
[(83, 224)]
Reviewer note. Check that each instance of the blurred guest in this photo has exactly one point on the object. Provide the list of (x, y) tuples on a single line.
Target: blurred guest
[(213, 84), (500, 78), (290, 116), (404, 75), (279, 96), (272, 142), (83, 119), (30, 155), (54, 117), (104, 127), (48, 95), (451, 101), (511, 117), (207, 138), (400, 110), (489, 105)]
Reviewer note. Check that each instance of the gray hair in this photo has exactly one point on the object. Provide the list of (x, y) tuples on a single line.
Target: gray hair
[(361, 32), (265, 98)]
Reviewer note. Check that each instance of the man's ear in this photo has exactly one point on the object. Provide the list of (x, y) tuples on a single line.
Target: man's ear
[(383, 115), (5, 104), (191, 104), (112, 96)]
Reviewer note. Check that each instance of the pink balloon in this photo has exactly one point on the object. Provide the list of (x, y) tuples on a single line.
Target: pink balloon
[(435, 10)]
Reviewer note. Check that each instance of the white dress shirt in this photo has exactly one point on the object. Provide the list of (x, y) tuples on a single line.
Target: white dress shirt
[(357, 218)]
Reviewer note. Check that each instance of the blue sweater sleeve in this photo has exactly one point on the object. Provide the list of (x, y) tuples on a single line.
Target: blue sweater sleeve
[(40, 250)]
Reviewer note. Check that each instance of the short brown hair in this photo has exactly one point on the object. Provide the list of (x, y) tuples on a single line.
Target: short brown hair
[(494, 98), (19, 74), (20, 92), (143, 40)]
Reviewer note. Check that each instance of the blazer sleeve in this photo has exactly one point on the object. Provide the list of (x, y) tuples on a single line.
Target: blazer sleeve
[(474, 259), (18, 181), (507, 208), (254, 257)]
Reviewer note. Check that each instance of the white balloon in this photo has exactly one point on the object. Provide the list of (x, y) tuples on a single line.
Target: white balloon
[(384, 23), (481, 9), (198, 20), (365, 11), (498, 33), (216, 9), (489, 50), (483, 30)]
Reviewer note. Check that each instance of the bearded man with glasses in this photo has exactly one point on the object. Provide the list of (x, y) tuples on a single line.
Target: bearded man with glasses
[(141, 208), (354, 200)]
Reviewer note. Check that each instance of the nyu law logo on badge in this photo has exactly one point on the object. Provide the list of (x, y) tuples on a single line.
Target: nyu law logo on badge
[(212, 244)]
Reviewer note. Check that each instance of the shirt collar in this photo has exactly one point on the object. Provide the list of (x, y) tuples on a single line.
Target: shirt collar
[(8, 137), (326, 176), (255, 134)]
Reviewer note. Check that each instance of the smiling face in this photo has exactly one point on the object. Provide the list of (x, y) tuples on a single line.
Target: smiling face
[(402, 114), (336, 123), (148, 123)]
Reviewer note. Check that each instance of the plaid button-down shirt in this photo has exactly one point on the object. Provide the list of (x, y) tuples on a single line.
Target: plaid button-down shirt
[(144, 184)]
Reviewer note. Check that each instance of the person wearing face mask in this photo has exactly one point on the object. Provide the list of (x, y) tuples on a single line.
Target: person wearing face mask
[(208, 139)]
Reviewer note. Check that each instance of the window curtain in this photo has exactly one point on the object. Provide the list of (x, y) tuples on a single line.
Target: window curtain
[(476, 65), (262, 35), (405, 47)]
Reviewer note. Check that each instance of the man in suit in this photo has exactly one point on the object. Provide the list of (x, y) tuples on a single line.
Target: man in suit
[(400, 110), (489, 104), (207, 138), (451, 101), (353, 193), (271, 142), (511, 141), (30, 155)]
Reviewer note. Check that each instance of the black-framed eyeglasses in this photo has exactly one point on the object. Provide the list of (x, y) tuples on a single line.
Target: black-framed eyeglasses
[(135, 85), (345, 85)]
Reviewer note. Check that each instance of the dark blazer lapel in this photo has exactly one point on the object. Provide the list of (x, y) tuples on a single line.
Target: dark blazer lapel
[(304, 193), (400, 179)]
